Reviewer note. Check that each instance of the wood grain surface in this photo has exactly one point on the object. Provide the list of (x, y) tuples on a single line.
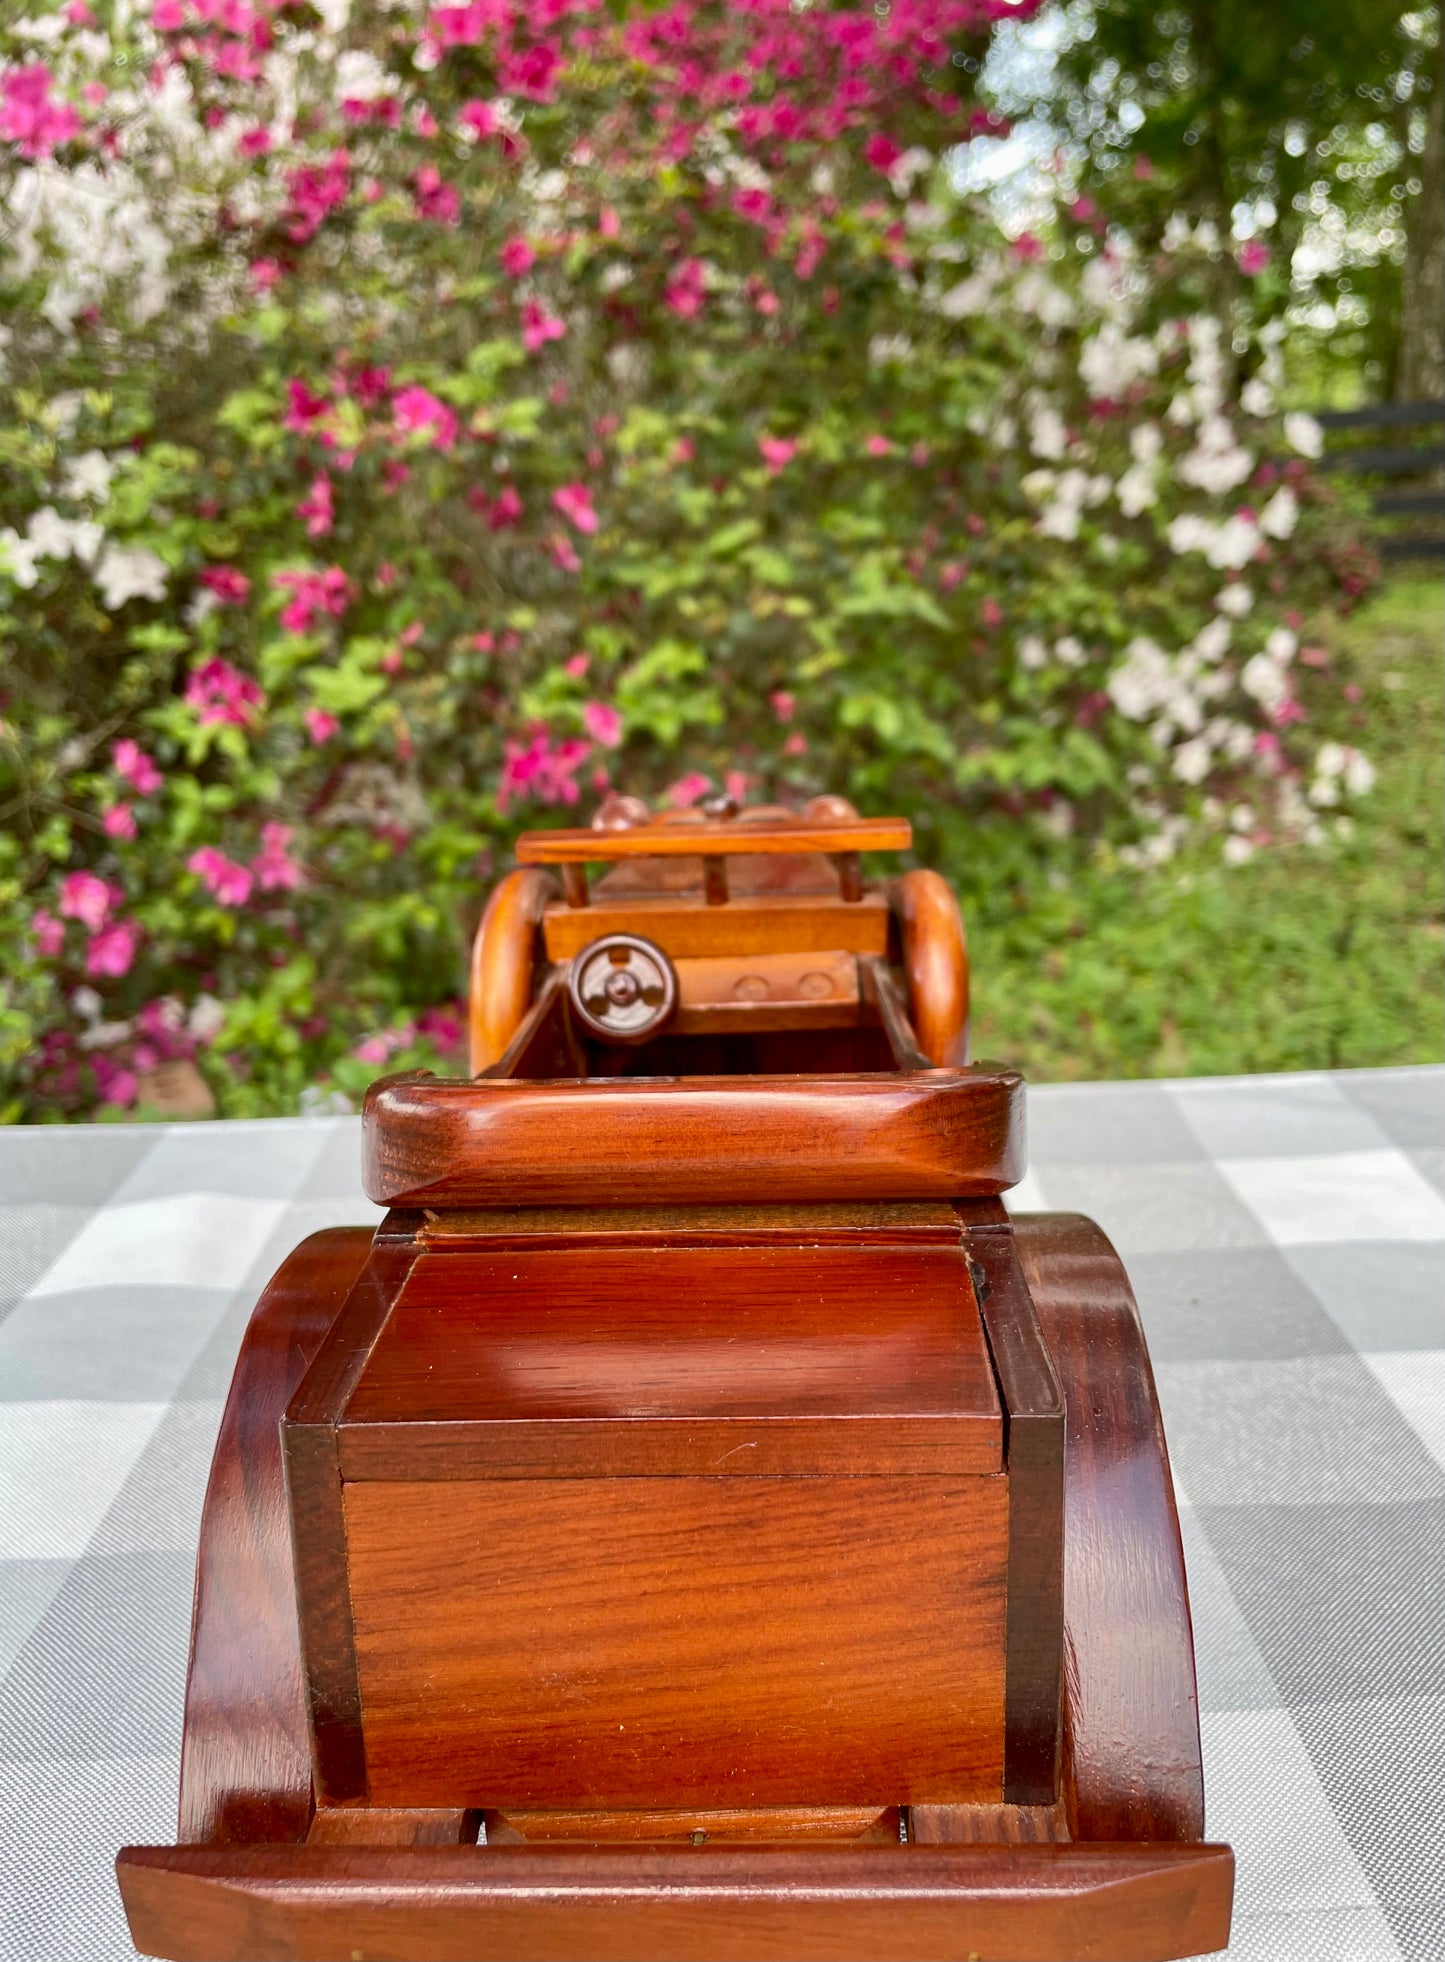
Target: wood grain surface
[(727, 839), (246, 1750), (1099, 1903), (313, 1486), (764, 923), (429, 1141), (1034, 1420), (656, 1359), (1131, 1714), (504, 956), (935, 961), (680, 1641)]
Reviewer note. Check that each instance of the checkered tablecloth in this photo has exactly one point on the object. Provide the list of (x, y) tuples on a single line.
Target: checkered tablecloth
[(1285, 1235)]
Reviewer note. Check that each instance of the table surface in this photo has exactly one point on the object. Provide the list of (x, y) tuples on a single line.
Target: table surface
[(1285, 1236)]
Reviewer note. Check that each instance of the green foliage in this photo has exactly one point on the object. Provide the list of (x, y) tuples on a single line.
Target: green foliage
[(1318, 957), (502, 441)]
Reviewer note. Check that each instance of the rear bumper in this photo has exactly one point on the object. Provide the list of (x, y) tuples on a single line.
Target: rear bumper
[(1123, 1901)]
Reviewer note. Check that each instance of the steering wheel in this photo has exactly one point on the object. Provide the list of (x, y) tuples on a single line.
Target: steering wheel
[(622, 988)]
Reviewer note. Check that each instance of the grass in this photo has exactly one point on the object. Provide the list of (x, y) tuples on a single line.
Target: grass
[(1308, 957)]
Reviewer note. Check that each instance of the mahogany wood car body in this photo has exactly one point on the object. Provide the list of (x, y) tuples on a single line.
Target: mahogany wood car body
[(698, 1522)]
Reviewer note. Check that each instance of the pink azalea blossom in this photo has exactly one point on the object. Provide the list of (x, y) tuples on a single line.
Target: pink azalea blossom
[(990, 612), (265, 273), (574, 501), (878, 446), (305, 408), (314, 191), (480, 118), (737, 784), (112, 950), (321, 725), (506, 510), (133, 766), (167, 16), (273, 865), (1253, 257), (539, 326), (517, 257), (686, 791), (796, 745), (785, 706), (318, 507), (118, 821), (577, 665), (48, 933), (541, 769), (459, 27), (1027, 246), (117, 1086), (255, 142), (417, 409), (29, 116), (881, 151), (602, 723), (686, 290), (777, 452), (532, 73), (86, 898), (563, 552), (435, 199), (228, 883), (314, 595), (219, 693), (231, 588)]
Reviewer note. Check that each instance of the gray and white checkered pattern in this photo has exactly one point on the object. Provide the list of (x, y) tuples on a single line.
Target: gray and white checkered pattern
[(1286, 1236)]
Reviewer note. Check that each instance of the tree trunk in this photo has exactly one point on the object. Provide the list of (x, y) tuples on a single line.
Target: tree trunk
[(1420, 376)]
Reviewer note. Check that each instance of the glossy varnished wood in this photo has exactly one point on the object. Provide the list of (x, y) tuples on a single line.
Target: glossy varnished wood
[(504, 956), (757, 1825), (1034, 1420), (1101, 1903), (1131, 1717), (722, 840), (937, 1134), (762, 923), (313, 1485), (658, 1359), (935, 961), (246, 1754), (683, 1641)]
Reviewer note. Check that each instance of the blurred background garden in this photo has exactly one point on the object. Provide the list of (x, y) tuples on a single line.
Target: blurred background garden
[(416, 420)]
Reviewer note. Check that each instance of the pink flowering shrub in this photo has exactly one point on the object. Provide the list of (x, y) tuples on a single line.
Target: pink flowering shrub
[(522, 401)]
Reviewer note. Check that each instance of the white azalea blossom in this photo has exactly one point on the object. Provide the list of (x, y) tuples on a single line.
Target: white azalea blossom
[(1303, 433), (1211, 643), (1280, 516), (128, 572), (1227, 545), (1256, 398), (1216, 463), (54, 537), (1111, 361), (1192, 759), (19, 558), (1265, 681), (88, 476), (1048, 436), (1032, 653), (1235, 599)]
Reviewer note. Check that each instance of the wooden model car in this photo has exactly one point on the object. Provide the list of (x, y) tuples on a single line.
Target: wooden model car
[(698, 1522)]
